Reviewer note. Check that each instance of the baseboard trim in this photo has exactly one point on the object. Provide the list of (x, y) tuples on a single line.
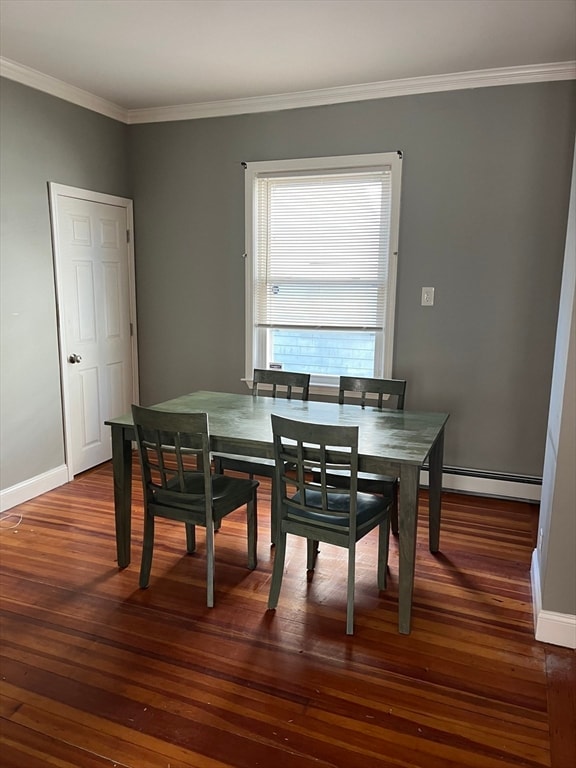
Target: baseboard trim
[(488, 484), (550, 626), (453, 479), (556, 628), (29, 489)]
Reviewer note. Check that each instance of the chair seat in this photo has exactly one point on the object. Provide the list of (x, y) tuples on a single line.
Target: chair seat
[(227, 493), (368, 507)]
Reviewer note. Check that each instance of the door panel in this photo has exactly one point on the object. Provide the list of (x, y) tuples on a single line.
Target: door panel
[(94, 302), (89, 427)]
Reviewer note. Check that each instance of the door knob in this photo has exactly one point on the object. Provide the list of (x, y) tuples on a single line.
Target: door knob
[(74, 358)]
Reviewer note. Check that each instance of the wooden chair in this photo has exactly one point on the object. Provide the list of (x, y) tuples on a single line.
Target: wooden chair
[(174, 451), (355, 390), (317, 511), (275, 383)]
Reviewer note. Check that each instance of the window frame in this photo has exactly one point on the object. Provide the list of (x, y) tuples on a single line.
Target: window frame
[(253, 170)]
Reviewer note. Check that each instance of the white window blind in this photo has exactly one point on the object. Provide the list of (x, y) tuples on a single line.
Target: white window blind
[(322, 246)]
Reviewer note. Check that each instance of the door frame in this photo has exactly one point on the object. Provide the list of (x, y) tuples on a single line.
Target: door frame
[(60, 190)]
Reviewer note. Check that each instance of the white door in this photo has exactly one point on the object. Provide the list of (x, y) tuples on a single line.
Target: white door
[(96, 308)]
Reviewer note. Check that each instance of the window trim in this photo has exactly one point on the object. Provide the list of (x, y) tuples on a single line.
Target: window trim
[(335, 163)]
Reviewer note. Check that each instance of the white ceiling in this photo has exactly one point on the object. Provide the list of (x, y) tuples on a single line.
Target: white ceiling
[(149, 54)]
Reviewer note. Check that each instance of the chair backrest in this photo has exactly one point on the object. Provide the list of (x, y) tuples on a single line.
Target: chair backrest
[(301, 448), (282, 382), (379, 387), (174, 448)]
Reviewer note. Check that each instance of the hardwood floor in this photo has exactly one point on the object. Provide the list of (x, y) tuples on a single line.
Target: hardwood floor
[(96, 672)]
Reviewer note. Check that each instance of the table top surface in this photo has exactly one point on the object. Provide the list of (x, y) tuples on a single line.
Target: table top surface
[(241, 423)]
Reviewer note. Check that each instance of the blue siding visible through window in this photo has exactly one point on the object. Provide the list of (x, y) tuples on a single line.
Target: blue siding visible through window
[(336, 353)]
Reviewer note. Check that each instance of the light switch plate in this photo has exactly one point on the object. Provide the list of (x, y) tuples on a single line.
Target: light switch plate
[(427, 297)]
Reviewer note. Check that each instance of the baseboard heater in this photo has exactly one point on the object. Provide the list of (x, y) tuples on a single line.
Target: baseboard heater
[(484, 483), (503, 476)]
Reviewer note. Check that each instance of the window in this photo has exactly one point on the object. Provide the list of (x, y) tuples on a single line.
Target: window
[(322, 245)]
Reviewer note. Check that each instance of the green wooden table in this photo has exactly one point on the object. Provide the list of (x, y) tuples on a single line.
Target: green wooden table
[(391, 442)]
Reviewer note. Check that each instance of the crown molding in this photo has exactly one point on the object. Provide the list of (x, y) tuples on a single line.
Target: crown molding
[(483, 78), (386, 89), (47, 84)]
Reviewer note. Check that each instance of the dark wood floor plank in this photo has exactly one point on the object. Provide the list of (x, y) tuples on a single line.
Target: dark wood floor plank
[(561, 679), (97, 670), (25, 747)]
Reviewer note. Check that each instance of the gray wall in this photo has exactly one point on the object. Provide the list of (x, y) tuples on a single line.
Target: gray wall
[(557, 526), (42, 139), (484, 208)]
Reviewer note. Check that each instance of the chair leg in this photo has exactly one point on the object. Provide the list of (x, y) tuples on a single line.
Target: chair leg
[(210, 564), (218, 470), (274, 513), (394, 511), (277, 571), (383, 547), (252, 524), (350, 590), (313, 549), (147, 548), (190, 538)]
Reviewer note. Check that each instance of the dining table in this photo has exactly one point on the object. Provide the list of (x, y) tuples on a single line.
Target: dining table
[(391, 442)]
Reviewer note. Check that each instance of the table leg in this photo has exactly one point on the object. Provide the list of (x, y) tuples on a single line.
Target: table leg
[(122, 468), (408, 525), (435, 492)]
